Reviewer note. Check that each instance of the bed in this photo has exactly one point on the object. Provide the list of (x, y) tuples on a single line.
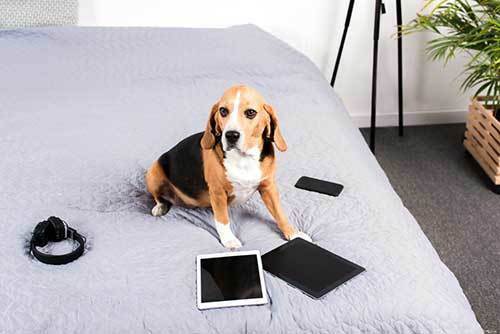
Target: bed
[(83, 113)]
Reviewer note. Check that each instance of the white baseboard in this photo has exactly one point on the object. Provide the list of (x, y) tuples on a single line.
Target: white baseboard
[(412, 118)]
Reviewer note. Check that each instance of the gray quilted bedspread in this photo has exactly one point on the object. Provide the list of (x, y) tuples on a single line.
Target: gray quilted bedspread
[(84, 112)]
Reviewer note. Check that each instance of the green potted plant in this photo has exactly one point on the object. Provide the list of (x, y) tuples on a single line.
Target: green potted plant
[(466, 26), (471, 27)]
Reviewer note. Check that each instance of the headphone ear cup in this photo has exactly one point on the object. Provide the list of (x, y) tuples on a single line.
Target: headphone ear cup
[(40, 237), (57, 229)]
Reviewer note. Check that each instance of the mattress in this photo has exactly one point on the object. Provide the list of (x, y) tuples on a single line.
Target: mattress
[(85, 111)]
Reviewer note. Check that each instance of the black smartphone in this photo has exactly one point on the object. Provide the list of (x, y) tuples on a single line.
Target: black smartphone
[(319, 186)]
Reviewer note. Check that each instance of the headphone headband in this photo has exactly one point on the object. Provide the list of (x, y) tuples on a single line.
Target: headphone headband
[(55, 229)]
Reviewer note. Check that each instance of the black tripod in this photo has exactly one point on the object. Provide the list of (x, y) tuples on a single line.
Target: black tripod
[(379, 9)]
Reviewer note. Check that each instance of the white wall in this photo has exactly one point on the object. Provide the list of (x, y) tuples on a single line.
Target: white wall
[(315, 28)]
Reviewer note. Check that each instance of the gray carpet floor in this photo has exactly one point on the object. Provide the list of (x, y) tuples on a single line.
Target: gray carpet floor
[(447, 193)]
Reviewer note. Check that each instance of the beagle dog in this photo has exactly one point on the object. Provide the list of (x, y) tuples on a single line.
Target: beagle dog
[(225, 164)]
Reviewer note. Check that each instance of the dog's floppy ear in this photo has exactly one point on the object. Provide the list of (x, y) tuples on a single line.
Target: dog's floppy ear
[(273, 130), (212, 130)]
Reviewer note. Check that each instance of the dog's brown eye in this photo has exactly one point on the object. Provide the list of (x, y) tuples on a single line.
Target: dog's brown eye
[(223, 111), (250, 113)]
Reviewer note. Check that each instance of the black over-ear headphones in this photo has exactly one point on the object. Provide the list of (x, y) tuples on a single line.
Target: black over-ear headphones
[(55, 229)]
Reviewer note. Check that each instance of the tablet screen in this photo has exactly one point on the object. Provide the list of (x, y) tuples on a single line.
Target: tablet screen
[(230, 278), (235, 278)]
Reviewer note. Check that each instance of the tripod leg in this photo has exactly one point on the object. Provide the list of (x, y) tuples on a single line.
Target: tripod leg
[(399, 18), (376, 34), (342, 41)]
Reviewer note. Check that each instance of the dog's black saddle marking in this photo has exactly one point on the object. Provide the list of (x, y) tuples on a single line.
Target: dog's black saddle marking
[(183, 166)]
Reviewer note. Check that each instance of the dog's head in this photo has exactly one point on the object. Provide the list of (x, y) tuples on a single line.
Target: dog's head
[(243, 120)]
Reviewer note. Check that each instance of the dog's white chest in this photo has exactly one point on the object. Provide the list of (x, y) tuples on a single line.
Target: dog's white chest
[(243, 171)]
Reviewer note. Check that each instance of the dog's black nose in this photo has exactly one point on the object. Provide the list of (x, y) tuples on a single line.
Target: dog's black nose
[(232, 136)]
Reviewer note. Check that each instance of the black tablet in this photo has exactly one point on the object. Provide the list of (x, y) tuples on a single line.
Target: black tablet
[(312, 269)]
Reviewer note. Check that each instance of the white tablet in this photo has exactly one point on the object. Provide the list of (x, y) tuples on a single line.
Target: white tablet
[(230, 279)]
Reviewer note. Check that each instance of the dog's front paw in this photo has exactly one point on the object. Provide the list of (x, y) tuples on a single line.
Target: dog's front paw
[(226, 236), (302, 235), (231, 243), (159, 210)]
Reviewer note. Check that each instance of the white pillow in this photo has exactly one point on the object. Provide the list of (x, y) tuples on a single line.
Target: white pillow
[(34, 13)]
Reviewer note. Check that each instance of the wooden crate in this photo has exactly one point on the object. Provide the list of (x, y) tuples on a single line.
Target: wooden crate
[(482, 138)]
